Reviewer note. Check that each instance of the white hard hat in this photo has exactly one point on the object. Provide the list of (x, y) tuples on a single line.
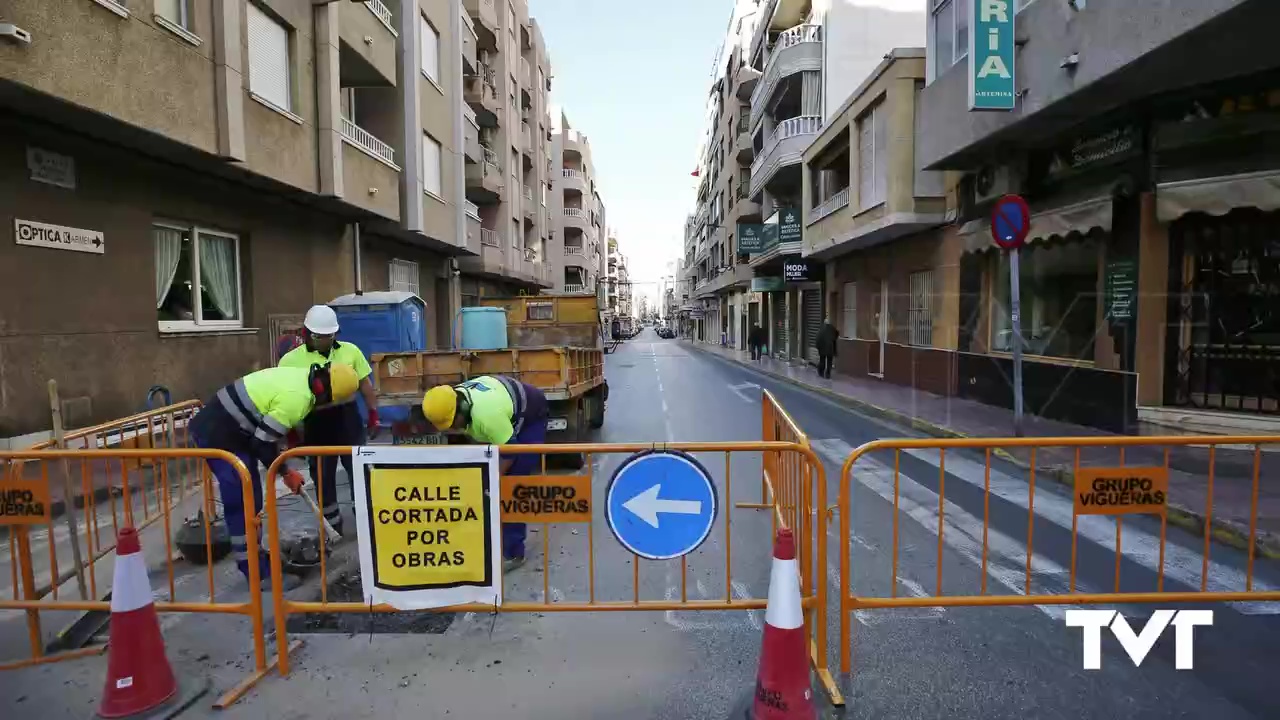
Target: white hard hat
[(321, 320)]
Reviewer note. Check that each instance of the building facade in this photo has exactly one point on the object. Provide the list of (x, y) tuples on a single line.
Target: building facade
[(1145, 145), (576, 238), (508, 168)]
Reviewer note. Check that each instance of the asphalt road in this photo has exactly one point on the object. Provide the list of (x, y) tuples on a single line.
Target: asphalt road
[(1020, 662)]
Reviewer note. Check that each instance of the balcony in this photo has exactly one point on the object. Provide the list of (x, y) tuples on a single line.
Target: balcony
[(485, 16), (745, 209), (480, 91), (484, 179), (742, 143), (471, 135), (526, 83), (526, 139), (368, 40), (529, 206), (577, 218), (835, 202), (576, 250), (474, 229), (469, 42), (785, 148), (796, 50), (747, 78), (575, 288), (369, 173), (574, 142), (574, 180)]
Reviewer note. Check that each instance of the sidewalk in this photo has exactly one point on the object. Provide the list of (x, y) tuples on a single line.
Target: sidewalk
[(949, 417)]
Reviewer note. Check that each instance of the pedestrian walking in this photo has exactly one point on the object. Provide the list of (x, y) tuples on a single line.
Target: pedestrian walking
[(756, 340), (495, 410), (826, 342), (339, 423), (249, 419)]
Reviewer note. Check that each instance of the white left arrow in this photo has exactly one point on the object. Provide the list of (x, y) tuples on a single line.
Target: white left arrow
[(647, 505)]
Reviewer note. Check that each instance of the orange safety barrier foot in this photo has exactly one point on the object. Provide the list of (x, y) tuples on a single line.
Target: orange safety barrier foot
[(233, 695)]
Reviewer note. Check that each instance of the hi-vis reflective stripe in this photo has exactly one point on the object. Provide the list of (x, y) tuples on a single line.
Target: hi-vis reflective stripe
[(519, 402), (130, 589), (234, 398), (783, 611)]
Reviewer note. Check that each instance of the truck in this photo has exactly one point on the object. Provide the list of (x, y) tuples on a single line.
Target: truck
[(554, 342)]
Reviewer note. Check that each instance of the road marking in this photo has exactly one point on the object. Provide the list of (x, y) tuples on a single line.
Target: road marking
[(739, 388), (1181, 565), (962, 532)]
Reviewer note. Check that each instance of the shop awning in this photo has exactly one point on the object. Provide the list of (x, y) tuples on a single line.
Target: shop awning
[(1218, 195), (1080, 217)]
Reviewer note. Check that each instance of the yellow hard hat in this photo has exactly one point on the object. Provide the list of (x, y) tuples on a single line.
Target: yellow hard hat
[(343, 382), (439, 406)]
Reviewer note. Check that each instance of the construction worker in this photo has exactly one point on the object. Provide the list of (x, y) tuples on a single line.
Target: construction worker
[(339, 424), (249, 419), (495, 410)]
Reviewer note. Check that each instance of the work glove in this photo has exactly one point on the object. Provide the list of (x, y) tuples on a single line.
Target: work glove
[(294, 480), (373, 420)]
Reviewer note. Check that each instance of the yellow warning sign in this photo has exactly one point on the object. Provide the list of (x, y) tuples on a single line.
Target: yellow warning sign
[(23, 501), (1121, 490), (430, 526)]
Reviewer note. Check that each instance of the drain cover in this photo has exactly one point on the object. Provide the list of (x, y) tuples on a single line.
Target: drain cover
[(346, 588)]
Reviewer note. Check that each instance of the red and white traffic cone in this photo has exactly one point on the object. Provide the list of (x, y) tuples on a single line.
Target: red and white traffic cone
[(139, 678), (783, 689)]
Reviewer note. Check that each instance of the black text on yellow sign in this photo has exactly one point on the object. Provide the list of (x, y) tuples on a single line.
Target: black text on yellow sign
[(430, 526), (546, 498), (24, 501), (1121, 490)]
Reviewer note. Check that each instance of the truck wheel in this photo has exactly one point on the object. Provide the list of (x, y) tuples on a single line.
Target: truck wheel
[(577, 432), (595, 413)]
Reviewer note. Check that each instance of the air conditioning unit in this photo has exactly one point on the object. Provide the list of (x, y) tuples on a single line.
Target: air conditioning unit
[(994, 181)]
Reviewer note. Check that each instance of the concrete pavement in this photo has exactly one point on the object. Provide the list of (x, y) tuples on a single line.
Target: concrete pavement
[(919, 663)]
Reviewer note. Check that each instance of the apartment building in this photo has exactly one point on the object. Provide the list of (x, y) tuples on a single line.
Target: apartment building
[(1143, 136), (804, 59), (576, 208), (244, 158), (508, 171)]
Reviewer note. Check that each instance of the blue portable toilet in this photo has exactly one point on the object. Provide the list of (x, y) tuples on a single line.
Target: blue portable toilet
[(382, 322)]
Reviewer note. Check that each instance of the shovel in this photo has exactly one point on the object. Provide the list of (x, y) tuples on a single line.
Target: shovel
[(283, 490)]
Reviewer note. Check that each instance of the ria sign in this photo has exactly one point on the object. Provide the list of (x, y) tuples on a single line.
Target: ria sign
[(991, 55)]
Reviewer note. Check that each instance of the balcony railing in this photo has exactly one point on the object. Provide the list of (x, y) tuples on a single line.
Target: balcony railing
[(830, 205), (796, 35), (526, 74), (381, 12), (574, 250), (744, 124), (574, 287), (489, 237), (772, 73), (490, 157), (528, 193), (470, 115), (526, 133), (578, 213), (364, 140), (789, 128), (471, 209)]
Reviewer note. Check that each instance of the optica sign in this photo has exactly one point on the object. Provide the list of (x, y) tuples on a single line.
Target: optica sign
[(991, 55)]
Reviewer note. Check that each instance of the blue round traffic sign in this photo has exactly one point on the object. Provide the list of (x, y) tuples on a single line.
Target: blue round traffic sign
[(1010, 222), (661, 504)]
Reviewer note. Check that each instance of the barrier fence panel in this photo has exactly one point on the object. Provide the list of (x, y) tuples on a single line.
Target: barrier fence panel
[(794, 489), (34, 543), (1108, 476)]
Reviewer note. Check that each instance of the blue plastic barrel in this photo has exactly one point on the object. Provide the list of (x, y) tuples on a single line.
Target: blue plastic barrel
[(484, 328)]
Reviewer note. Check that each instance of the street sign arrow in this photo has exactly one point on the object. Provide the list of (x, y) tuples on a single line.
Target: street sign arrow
[(647, 505)]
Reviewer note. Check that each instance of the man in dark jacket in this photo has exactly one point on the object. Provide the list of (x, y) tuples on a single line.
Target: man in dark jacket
[(826, 343), (755, 340)]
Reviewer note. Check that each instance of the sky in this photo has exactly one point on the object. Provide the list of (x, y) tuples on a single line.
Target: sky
[(634, 77)]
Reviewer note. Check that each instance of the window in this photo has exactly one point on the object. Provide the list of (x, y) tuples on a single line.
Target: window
[(431, 181), (920, 312), (269, 59), (175, 11), (1059, 300), (511, 20), (404, 276), (849, 311), (197, 277), (950, 33), (430, 50), (873, 129), (515, 234)]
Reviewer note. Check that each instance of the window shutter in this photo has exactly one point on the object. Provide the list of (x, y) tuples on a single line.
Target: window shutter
[(430, 49), (431, 166), (268, 59), (849, 311)]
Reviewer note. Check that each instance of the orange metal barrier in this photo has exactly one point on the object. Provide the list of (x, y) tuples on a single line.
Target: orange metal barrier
[(169, 493), (115, 482), (1086, 475), (795, 487)]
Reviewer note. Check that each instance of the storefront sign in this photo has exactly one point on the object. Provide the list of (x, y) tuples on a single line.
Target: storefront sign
[(796, 269), (1113, 146), (51, 168), (1121, 289), (750, 238), (991, 55), (37, 234), (790, 229), (767, 284)]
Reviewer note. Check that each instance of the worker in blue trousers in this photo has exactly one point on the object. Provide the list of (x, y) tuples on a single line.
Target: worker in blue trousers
[(249, 419), (495, 410)]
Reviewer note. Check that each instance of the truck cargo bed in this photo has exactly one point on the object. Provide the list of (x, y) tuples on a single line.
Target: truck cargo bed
[(562, 373)]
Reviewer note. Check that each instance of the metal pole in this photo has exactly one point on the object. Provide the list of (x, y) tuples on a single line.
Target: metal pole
[(355, 238), (68, 492), (1015, 313)]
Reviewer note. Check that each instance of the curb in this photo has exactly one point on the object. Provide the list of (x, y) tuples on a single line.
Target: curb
[(1225, 532)]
